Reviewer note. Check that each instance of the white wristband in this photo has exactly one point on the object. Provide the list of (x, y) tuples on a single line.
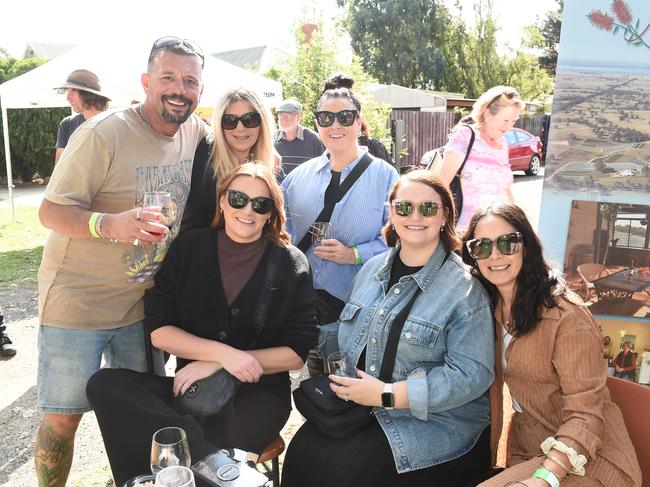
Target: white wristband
[(577, 462)]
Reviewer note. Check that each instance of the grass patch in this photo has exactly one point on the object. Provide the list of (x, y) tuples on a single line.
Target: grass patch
[(21, 245)]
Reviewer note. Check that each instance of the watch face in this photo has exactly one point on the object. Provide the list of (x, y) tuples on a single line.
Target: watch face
[(387, 399)]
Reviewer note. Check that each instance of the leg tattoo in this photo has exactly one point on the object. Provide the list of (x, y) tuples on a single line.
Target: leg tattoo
[(53, 456)]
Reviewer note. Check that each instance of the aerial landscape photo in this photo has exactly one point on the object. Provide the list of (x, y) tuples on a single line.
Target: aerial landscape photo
[(600, 133)]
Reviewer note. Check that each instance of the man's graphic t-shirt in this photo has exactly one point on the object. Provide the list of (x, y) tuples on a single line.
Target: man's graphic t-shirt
[(107, 167)]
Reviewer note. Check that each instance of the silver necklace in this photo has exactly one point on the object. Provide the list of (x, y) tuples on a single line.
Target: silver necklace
[(143, 115)]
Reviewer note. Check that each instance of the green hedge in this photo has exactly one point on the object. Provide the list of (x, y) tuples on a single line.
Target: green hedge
[(32, 136)]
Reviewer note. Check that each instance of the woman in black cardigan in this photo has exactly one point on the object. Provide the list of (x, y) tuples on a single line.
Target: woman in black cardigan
[(202, 310)]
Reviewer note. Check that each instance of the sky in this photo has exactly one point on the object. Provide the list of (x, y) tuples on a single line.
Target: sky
[(216, 25)]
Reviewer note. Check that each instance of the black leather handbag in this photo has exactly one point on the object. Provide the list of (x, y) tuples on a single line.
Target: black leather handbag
[(330, 414), (215, 395)]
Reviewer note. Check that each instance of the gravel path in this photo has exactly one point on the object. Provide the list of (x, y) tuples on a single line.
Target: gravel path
[(19, 418)]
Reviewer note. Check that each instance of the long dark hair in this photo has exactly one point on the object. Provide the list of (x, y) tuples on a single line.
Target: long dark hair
[(536, 286)]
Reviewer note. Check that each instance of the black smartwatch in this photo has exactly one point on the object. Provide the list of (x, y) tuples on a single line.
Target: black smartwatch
[(387, 397)]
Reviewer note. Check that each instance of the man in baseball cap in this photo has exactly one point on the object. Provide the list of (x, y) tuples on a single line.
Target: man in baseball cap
[(84, 93), (295, 143)]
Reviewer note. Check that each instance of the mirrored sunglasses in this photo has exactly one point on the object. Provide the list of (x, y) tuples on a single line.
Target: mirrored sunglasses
[(171, 41), (260, 204), (344, 117), (249, 120), (426, 208), (507, 244)]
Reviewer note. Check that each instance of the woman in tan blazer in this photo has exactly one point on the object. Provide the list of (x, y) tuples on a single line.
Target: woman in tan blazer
[(549, 352)]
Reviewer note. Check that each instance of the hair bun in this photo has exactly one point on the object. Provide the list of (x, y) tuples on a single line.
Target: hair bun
[(338, 80)]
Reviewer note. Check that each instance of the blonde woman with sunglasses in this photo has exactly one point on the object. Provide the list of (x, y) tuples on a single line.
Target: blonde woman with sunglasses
[(486, 177), (242, 132), (565, 429)]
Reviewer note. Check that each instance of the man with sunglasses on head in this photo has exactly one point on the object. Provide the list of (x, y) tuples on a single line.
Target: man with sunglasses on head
[(84, 93), (295, 143), (104, 247)]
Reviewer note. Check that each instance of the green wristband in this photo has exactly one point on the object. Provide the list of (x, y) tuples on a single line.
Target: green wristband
[(549, 477), (91, 224), (357, 257)]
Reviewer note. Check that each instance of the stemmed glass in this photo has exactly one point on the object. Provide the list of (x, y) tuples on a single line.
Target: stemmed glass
[(169, 447), (162, 202), (319, 232), (175, 477)]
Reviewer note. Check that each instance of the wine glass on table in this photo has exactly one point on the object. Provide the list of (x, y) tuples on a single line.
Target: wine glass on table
[(169, 448), (160, 201)]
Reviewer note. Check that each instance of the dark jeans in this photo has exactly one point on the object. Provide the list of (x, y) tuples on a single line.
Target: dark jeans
[(328, 310), (626, 375)]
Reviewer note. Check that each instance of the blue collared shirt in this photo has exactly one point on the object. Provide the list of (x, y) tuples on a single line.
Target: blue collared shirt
[(357, 219)]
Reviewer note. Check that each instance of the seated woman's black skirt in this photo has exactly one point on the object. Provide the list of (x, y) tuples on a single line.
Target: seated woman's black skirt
[(130, 406), (365, 459)]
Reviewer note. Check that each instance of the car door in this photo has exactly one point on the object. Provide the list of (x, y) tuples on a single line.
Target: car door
[(514, 150)]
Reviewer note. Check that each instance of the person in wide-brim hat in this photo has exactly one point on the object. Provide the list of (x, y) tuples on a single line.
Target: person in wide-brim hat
[(84, 80), (84, 93)]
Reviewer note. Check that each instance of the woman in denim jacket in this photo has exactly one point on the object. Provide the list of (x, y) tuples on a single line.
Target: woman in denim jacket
[(436, 432)]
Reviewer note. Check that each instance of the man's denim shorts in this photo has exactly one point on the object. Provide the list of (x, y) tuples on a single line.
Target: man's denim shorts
[(67, 358)]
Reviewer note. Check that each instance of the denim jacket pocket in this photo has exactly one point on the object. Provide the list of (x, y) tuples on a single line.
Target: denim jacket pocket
[(417, 342), (346, 324), (349, 311)]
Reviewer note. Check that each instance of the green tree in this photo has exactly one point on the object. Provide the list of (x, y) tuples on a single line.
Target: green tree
[(32, 131), (488, 68), (302, 77), (531, 80), (547, 38), (400, 41), (459, 60)]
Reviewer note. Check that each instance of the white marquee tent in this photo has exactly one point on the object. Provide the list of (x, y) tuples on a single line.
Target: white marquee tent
[(119, 68)]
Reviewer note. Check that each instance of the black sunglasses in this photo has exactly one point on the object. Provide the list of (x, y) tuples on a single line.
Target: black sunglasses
[(171, 41), (345, 118), (507, 244), (260, 204), (426, 208), (249, 120)]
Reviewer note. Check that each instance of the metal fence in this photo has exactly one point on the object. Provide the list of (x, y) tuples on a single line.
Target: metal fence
[(531, 123), (424, 131), (429, 130)]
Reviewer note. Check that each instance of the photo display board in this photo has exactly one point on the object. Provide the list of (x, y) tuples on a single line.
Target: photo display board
[(596, 198)]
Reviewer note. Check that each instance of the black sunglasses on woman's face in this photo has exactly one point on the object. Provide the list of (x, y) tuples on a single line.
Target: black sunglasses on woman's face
[(249, 120), (345, 117), (261, 204)]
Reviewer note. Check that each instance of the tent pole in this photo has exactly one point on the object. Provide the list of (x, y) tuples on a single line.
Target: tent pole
[(10, 181)]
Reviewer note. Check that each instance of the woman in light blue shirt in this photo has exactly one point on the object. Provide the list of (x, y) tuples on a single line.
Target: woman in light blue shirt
[(431, 420), (357, 218)]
